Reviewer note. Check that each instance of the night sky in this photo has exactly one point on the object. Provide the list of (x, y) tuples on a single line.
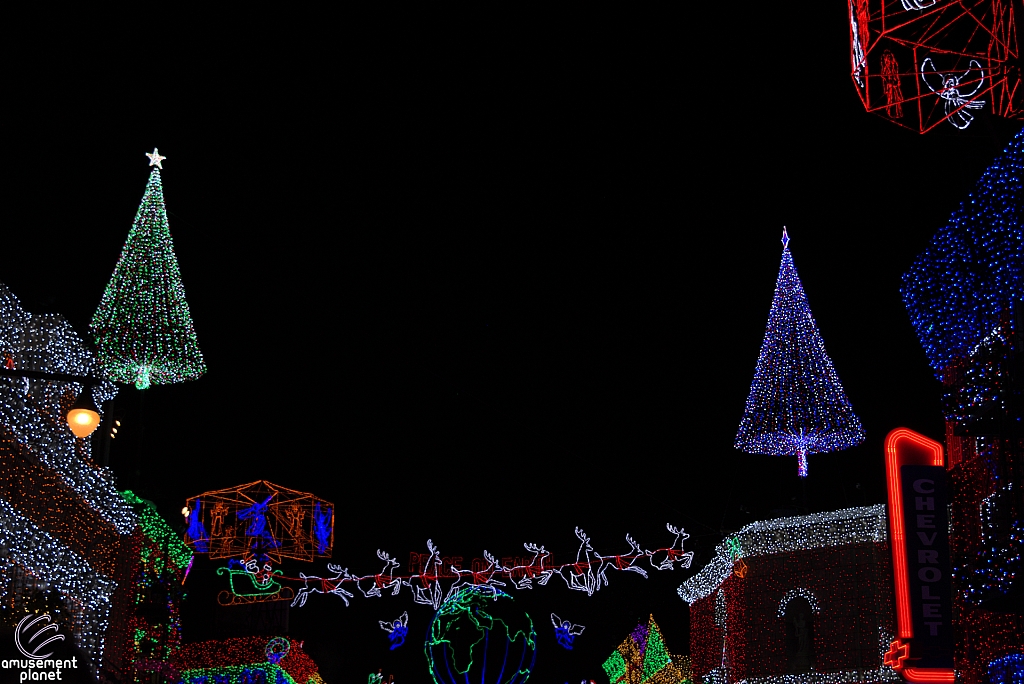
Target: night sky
[(484, 296)]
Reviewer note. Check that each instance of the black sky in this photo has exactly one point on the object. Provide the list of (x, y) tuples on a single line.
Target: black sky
[(485, 295)]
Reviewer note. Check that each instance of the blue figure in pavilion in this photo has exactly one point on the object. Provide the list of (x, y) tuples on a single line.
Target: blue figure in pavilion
[(257, 514)]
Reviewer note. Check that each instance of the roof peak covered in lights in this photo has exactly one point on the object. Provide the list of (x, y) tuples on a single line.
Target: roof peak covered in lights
[(782, 535)]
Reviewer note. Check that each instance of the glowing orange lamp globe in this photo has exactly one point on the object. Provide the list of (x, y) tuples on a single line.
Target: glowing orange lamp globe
[(83, 418)]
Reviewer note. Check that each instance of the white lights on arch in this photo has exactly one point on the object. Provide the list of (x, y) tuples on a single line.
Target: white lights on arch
[(799, 592), (64, 570), (781, 535)]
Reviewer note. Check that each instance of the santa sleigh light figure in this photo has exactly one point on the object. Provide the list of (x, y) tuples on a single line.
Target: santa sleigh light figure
[(926, 63)]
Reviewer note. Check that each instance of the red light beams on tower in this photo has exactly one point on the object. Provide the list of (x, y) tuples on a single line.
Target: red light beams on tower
[(920, 63)]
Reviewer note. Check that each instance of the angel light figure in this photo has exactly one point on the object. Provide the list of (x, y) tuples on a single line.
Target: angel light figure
[(955, 98), (396, 629), (565, 631)]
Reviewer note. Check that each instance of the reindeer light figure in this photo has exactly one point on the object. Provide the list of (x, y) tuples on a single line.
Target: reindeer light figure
[(672, 555), (529, 571), (626, 562), (427, 589), (478, 578), (581, 575), (324, 585), (385, 579)]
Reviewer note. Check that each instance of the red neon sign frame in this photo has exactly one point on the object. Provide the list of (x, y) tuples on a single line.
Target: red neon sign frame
[(906, 447)]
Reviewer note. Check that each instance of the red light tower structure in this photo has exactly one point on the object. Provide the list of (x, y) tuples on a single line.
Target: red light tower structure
[(921, 63)]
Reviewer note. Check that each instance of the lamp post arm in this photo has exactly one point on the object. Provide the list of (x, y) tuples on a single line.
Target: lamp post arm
[(42, 375)]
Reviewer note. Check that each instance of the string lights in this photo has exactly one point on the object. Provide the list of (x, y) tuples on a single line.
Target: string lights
[(1007, 670), (644, 659), (160, 533), (796, 404), (66, 571), (826, 575), (964, 297), (33, 410), (62, 522), (143, 329), (245, 660), (148, 608), (783, 535), (958, 289)]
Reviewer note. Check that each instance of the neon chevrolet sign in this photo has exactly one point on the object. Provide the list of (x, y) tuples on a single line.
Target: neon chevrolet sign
[(916, 478)]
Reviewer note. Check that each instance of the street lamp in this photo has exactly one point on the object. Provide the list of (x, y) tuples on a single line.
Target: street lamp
[(83, 417)]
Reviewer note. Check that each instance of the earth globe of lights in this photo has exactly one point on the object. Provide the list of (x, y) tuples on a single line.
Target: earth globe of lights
[(479, 635)]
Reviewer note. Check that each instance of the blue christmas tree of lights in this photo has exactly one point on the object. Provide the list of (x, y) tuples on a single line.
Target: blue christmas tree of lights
[(957, 289), (796, 404)]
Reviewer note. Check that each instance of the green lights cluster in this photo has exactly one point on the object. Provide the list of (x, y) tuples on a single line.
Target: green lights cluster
[(241, 674), (643, 658), (143, 328), (159, 532)]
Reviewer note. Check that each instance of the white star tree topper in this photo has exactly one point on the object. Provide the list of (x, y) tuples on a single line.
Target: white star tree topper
[(155, 158)]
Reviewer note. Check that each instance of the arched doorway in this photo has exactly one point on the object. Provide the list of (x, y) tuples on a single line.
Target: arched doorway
[(799, 621)]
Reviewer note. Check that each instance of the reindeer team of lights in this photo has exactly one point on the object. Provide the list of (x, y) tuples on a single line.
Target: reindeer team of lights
[(920, 63), (254, 525), (796, 404), (434, 583)]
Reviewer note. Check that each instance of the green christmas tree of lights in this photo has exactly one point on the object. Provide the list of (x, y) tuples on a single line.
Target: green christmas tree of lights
[(143, 328)]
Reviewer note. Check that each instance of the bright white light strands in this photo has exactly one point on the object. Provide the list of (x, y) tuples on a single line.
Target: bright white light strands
[(949, 87), (47, 343), (64, 570), (799, 592), (882, 674), (440, 576), (796, 404), (835, 528)]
